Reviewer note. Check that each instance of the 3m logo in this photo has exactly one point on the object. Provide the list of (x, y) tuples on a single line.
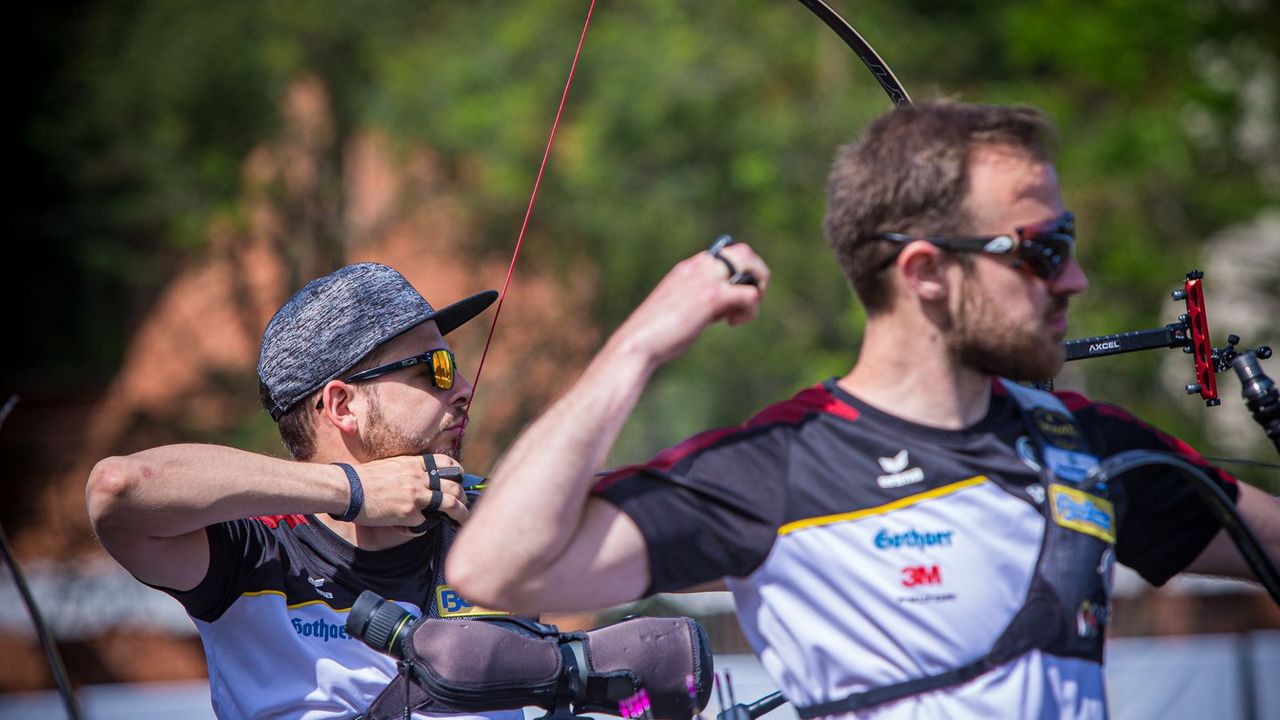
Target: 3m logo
[(921, 575), (451, 604)]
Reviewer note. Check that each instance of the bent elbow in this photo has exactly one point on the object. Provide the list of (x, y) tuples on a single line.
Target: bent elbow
[(471, 581), (490, 587), (110, 484)]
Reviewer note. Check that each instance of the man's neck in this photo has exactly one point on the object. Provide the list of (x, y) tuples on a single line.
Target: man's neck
[(367, 537), (908, 372)]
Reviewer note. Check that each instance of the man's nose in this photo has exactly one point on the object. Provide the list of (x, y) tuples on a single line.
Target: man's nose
[(1072, 281), (460, 395)]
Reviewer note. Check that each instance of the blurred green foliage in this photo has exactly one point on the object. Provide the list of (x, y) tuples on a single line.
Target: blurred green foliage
[(687, 120)]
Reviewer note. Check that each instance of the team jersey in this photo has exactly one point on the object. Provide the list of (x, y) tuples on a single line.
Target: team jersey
[(271, 612), (865, 551)]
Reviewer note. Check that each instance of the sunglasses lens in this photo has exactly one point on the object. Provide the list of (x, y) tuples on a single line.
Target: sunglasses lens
[(1046, 255), (1046, 248), (442, 367)]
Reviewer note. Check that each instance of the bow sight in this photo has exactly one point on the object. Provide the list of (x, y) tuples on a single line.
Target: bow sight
[(1191, 333)]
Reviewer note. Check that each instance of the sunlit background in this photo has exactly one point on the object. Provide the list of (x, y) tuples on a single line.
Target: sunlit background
[(182, 167)]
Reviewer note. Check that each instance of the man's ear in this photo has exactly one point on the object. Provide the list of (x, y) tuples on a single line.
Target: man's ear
[(923, 267), (337, 397)]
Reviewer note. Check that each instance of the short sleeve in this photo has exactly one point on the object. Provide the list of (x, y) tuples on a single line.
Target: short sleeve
[(1164, 523), (232, 545), (707, 508)]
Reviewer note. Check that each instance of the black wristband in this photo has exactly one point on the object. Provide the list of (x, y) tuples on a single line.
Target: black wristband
[(357, 494)]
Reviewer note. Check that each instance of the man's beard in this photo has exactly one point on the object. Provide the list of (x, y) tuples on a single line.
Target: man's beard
[(383, 439), (982, 339)]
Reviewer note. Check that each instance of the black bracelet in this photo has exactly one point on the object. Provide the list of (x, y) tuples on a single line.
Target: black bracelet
[(357, 494)]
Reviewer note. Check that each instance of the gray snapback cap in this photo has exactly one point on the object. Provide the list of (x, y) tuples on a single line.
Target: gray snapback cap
[(334, 321)]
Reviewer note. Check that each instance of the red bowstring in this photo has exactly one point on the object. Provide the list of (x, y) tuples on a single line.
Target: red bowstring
[(466, 414)]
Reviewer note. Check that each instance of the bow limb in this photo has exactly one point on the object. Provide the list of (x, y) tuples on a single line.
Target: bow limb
[(867, 54)]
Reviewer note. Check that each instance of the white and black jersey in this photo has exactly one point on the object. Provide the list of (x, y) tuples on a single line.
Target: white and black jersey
[(272, 610), (867, 552)]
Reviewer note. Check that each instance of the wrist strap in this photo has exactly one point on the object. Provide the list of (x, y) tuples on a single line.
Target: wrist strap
[(357, 494)]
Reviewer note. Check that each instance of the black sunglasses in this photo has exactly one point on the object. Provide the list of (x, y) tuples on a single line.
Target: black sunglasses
[(1043, 249), (444, 369)]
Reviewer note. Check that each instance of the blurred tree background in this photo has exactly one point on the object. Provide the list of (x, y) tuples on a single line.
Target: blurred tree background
[(686, 120)]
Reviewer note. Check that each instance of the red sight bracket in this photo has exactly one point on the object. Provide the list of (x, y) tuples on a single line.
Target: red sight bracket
[(1196, 321)]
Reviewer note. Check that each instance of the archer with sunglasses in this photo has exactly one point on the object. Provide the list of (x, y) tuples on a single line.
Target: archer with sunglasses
[(269, 555), (912, 539)]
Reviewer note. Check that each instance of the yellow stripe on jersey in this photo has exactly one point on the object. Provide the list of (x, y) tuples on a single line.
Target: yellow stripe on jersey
[(881, 509)]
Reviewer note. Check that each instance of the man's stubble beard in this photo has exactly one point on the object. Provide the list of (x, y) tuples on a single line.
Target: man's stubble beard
[(384, 440), (981, 339)]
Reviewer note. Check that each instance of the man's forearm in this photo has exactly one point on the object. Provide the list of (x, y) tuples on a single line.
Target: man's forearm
[(175, 489), (537, 531), (549, 472)]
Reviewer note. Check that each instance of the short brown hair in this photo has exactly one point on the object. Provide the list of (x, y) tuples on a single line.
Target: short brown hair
[(909, 173), (297, 425)]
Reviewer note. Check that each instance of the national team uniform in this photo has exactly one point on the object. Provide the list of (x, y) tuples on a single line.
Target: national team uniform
[(891, 570), (272, 609)]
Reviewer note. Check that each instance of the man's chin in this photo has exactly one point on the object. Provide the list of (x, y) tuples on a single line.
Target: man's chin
[(442, 449)]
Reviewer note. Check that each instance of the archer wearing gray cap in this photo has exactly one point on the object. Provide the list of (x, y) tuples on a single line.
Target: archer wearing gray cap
[(268, 555)]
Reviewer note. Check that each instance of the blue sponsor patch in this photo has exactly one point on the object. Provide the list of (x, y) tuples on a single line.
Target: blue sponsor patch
[(450, 604), (1083, 512), (1069, 465)]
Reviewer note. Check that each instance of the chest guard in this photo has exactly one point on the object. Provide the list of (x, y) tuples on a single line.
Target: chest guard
[(459, 657), (1068, 603)]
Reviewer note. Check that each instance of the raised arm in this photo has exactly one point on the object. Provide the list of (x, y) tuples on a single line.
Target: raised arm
[(538, 541), (150, 509)]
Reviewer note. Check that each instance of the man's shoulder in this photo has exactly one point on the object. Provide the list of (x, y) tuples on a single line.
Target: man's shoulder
[(1087, 408), (814, 401), (772, 424)]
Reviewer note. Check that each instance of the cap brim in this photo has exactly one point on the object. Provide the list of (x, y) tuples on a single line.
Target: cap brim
[(452, 317)]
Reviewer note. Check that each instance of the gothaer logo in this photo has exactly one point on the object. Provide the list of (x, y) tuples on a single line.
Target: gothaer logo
[(897, 474), (886, 540)]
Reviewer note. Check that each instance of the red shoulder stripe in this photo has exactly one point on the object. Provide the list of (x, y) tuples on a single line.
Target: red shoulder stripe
[(273, 521), (1076, 402), (803, 405)]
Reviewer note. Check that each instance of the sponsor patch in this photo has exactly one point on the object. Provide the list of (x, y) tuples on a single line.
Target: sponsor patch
[(1027, 452), (1083, 512), (1091, 619), (1058, 429), (1069, 465), (1036, 493), (451, 604), (320, 629), (921, 575), (886, 540)]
